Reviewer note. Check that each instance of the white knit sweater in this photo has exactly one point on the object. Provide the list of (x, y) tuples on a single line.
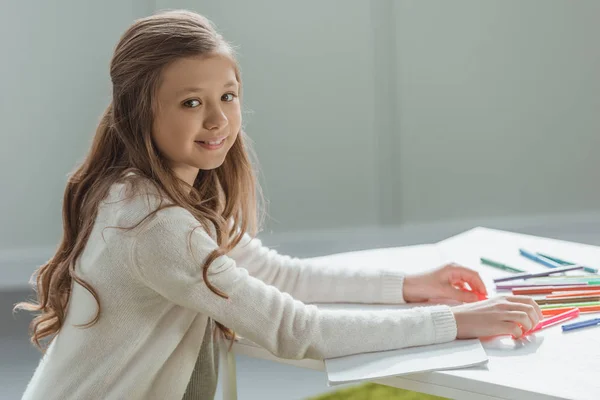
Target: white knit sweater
[(155, 307)]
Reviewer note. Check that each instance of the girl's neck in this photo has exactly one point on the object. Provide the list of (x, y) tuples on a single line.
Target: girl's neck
[(187, 175)]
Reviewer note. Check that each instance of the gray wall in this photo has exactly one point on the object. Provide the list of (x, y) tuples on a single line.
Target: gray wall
[(498, 108), (362, 112), (54, 84)]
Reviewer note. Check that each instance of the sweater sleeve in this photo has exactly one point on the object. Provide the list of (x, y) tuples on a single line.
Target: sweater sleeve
[(306, 281), (167, 257)]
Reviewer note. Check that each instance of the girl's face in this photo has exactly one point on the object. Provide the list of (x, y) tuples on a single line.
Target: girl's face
[(198, 117)]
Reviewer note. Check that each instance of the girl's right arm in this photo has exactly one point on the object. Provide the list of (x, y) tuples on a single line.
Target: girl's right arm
[(168, 255)]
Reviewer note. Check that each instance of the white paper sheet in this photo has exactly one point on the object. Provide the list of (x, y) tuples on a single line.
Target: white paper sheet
[(366, 366)]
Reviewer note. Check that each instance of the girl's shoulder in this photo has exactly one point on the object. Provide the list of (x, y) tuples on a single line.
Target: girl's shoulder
[(134, 200)]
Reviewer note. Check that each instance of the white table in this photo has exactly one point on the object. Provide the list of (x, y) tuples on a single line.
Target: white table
[(548, 365)]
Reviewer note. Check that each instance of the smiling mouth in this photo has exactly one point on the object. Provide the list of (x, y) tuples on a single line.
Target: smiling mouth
[(211, 145)]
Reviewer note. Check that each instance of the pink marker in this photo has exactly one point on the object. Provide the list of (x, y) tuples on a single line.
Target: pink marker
[(557, 319)]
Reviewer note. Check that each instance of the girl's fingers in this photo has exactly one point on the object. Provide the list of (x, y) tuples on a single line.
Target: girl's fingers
[(463, 274), (527, 301), (521, 318), (463, 295), (510, 328)]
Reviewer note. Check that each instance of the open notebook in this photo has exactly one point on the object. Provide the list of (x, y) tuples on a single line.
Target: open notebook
[(382, 364)]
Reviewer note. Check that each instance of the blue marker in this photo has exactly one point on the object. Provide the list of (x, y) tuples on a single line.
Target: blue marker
[(539, 259), (581, 324)]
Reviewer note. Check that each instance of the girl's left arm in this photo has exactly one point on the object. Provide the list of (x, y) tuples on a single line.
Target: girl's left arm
[(311, 283)]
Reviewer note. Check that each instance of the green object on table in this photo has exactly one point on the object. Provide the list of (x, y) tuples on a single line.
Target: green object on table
[(565, 279), (563, 262), (582, 278), (563, 305), (498, 265), (373, 391)]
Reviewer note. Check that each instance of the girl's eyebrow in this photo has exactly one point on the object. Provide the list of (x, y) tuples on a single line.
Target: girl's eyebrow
[(195, 89)]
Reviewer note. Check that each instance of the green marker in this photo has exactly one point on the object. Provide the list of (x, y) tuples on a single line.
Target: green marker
[(563, 262), (574, 277), (550, 280), (556, 260), (561, 305), (498, 265)]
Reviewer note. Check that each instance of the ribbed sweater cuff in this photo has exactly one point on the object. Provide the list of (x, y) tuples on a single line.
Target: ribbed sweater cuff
[(444, 324), (392, 285)]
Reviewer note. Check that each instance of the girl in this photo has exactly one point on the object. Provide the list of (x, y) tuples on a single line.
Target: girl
[(158, 246)]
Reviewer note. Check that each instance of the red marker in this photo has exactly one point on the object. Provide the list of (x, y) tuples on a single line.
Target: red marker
[(556, 319)]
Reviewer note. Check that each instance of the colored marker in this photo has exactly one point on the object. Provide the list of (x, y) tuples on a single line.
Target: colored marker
[(564, 262), (527, 275), (480, 296), (567, 281), (558, 282), (527, 285), (556, 311), (556, 319), (566, 278), (573, 294), (580, 324), (551, 289), (584, 277), (563, 305), (584, 309), (568, 300), (498, 265), (539, 259)]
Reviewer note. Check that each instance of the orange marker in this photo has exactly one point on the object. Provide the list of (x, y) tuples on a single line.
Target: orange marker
[(467, 288), (481, 296), (548, 312), (556, 295)]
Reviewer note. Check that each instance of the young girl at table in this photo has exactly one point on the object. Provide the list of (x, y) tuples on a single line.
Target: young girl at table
[(158, 246)]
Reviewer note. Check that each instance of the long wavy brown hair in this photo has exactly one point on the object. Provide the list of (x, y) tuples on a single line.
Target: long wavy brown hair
[(225, 198)]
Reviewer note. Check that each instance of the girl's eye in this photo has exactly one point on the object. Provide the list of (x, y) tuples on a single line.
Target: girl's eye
[(228, 97), (193, 103)]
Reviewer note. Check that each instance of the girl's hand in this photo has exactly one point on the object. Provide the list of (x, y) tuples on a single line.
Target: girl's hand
[(503, 315), (451, 281)]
